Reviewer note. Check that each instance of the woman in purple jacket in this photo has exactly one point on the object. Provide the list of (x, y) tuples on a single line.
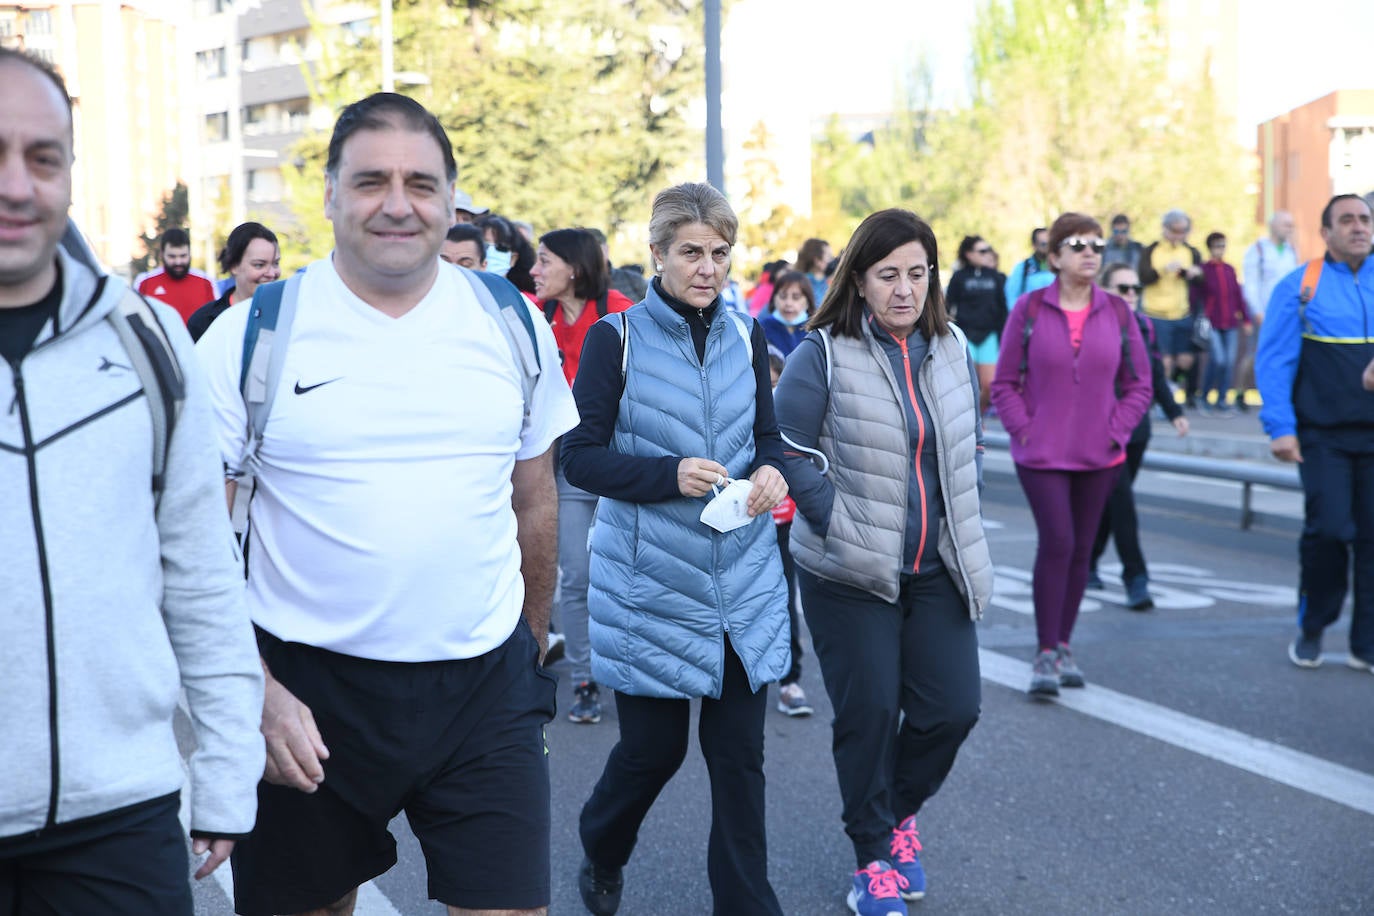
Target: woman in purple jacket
[(1069, 394)]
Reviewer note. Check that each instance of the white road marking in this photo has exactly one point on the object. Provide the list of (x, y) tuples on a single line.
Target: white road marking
[(1174, 586), (1295, 769)]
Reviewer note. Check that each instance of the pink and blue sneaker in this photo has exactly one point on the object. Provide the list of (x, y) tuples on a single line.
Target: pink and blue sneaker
[(906, 859), (877, 891)]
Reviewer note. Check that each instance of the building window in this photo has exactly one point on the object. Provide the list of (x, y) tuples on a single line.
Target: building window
[(217, 127), (39, 22), (210, 64), (263, 185)]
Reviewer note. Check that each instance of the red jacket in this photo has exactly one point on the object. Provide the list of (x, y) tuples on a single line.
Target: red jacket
[(571, 336)]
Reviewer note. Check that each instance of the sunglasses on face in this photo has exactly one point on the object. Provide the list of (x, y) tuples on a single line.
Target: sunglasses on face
[(1077, 245), (982, 250), (1124, 288)]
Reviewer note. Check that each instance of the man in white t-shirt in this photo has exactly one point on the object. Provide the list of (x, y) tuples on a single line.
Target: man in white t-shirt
[(401, 553), (1266, 262)]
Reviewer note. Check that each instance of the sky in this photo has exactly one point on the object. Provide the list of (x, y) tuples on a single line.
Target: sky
[(1291, 51)]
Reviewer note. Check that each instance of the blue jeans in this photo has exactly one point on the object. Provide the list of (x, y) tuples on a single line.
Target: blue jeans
[(1223, 362)]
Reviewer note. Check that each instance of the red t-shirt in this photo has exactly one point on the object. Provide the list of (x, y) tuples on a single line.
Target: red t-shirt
[(571, 336), (185, 295)]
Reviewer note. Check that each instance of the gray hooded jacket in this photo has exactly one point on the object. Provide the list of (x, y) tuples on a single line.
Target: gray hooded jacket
[(111, 605)]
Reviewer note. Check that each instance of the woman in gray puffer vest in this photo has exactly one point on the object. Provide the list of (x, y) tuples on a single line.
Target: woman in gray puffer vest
[(878, 407), (675, 398)]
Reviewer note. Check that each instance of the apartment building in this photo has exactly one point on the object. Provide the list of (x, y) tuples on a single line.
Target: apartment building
[(1312, 153), (251, 102), (123, 70)]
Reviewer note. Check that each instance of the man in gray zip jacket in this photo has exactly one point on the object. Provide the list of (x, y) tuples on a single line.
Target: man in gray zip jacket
[(119, 588)]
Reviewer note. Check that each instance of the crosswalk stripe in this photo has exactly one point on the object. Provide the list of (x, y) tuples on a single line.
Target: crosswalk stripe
[(1304, 772)]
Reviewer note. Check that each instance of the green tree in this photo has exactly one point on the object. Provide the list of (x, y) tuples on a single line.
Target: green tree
[(172, 213), (567, 113), (1072, 108)]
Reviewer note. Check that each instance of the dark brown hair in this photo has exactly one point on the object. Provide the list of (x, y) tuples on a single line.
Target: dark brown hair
[(1069, 225), (580, 250), (878, 236)]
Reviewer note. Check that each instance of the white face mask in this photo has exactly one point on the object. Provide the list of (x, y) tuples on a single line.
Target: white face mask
[(730, 509), (498, 262)]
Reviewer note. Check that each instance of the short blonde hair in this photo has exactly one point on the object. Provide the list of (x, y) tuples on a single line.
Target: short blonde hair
[(683, 204)]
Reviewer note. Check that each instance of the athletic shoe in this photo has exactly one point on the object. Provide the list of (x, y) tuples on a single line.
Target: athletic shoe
[(555, 648), (1044, 675), (600, 888), (792, 700), (1241, 405), (1069, 673), (906, 848), (1138, 597), (1095, 581), (586, 705), (1360, 664), (877, 891), (1306, 651)]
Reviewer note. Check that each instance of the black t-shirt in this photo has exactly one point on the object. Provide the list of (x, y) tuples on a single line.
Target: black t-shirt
[(19, 327)]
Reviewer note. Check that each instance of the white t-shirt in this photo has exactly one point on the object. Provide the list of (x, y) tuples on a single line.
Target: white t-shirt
[(382, 524)]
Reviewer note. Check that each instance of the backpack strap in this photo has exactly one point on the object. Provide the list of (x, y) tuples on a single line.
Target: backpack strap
[(745, 331), (503, 302), (1027, 325), (603, 303), (550, 309), (145, 340), (265, 337)]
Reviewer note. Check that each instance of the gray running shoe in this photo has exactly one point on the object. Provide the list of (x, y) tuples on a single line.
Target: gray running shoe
[(792, 701), (586, 705), (1306, 651), (1069, 673), (1044, 675), (1138, 597)]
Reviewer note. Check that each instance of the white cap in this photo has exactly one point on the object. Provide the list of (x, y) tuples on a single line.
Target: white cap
[(462, 200)]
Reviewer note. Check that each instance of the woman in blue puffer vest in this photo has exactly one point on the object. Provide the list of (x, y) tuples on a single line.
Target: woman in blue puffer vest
[(675, 398)]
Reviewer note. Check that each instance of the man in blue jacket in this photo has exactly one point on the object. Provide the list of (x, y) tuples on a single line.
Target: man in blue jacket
[(1313, 349)]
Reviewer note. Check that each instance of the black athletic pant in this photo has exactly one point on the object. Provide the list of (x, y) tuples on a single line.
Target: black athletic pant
[(917, 657), (1338, 482), (789, 572), (653, 744), (1119, 521), (130, 861)]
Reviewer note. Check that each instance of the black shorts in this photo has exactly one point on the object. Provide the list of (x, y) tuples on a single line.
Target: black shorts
[(128, 861), (457, 745)]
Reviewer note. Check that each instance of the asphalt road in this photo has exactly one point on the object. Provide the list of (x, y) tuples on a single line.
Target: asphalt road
[(1199, 772)]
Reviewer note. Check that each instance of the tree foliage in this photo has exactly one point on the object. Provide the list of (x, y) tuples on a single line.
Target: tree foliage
[(1072, 109), (567, 113), (172, 213)]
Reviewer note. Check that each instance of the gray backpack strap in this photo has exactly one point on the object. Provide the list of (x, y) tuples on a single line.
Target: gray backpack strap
[(624, 347), (265, 340), (155, 363), (826, 346), (517, 328), (745, 331)]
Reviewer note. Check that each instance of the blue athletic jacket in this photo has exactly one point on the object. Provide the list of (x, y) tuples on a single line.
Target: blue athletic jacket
[(1310, 359)]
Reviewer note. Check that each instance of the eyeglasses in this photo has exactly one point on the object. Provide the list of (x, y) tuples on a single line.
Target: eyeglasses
[(982, 251), (1124, 288), (1076, 245)]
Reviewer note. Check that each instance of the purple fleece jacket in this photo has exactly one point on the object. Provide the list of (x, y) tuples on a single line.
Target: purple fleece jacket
[(1066, 414)]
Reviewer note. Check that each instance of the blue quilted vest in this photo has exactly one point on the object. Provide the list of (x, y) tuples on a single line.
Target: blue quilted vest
[(666, 590)]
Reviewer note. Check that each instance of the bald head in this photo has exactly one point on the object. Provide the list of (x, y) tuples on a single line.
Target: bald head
[(1281, 227)]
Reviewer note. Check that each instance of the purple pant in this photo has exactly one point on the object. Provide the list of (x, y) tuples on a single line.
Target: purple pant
[(1067, 506)]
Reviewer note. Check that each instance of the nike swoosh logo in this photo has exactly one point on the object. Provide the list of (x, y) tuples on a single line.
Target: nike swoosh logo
[(300, 390)]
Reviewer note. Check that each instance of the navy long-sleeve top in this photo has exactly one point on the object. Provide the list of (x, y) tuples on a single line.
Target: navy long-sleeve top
[(586, 457)]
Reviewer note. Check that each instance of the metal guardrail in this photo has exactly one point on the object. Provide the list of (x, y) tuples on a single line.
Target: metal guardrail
[(1246, 473)]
